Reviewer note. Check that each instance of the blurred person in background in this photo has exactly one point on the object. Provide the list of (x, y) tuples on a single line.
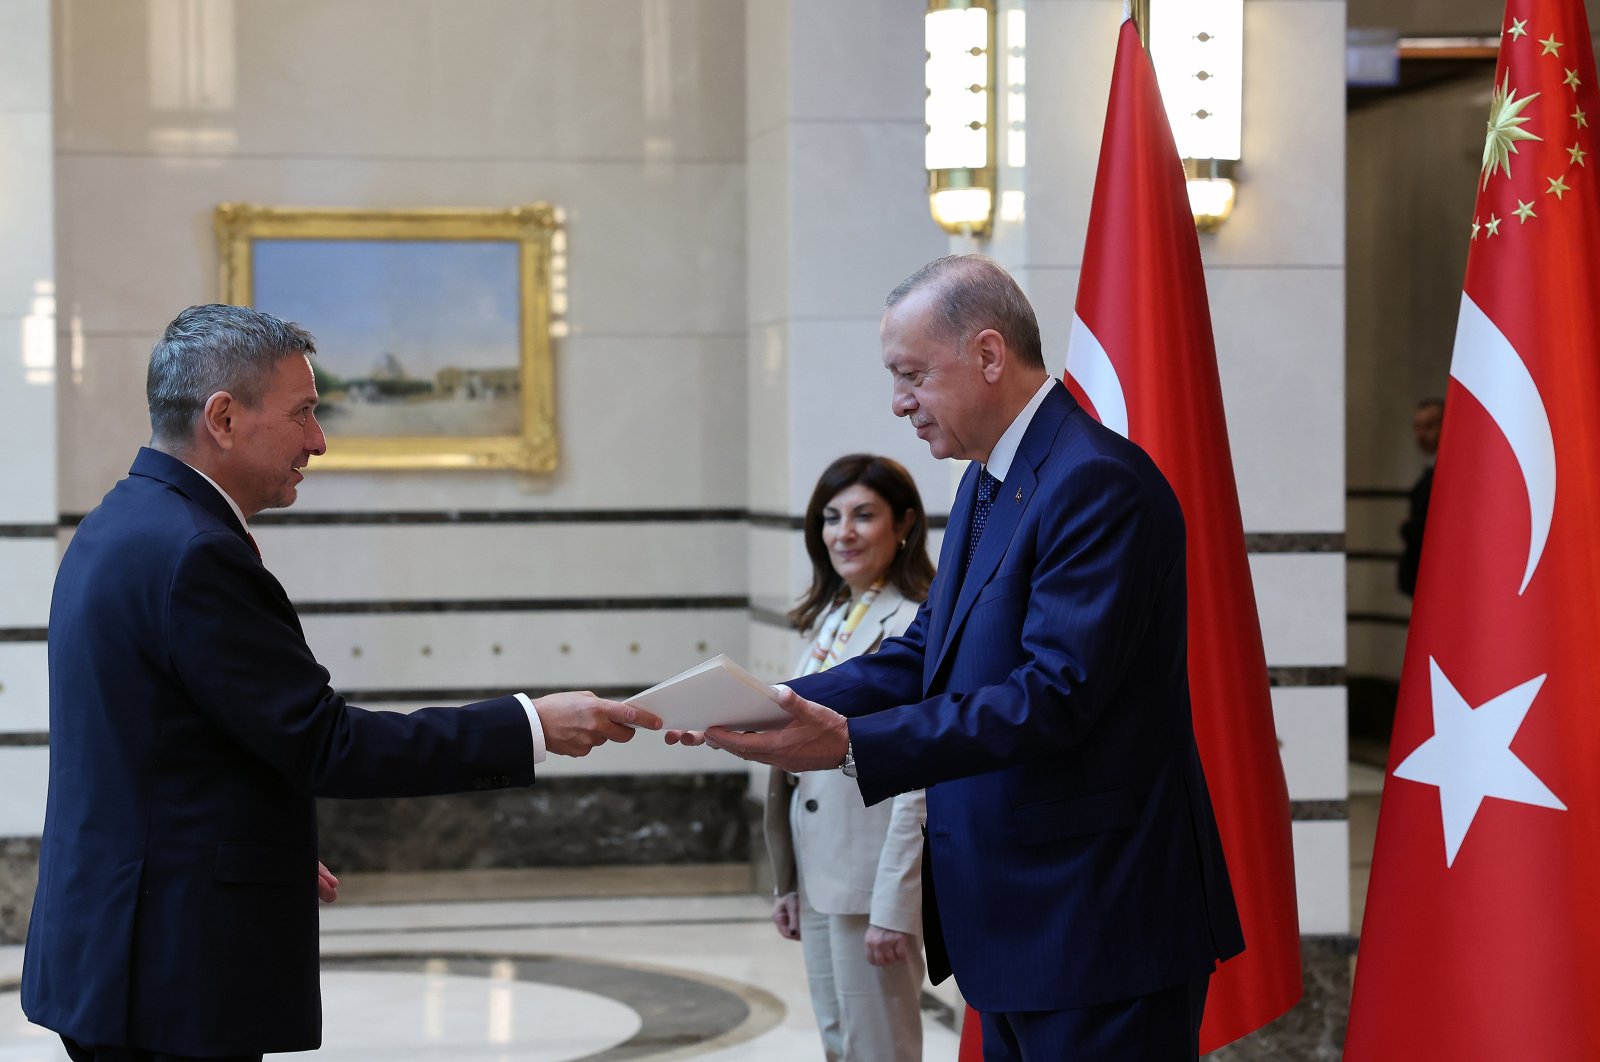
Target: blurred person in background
[(849, 876), (1426, 423)]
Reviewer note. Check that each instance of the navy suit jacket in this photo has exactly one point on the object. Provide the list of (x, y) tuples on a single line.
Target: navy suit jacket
[(1042, 699), (190, 731)]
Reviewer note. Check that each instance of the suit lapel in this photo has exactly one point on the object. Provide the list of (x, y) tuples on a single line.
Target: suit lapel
[(870, 632), (947, 582), (1011, 501)]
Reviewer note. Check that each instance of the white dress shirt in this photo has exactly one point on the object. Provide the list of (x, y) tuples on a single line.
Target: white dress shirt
[(1006, 449)]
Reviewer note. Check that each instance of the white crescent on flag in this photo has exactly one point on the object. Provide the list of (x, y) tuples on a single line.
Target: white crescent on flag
[(1486, 364), (1088, 363)]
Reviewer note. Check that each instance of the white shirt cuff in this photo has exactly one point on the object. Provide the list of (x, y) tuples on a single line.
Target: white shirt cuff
[(537, 727)]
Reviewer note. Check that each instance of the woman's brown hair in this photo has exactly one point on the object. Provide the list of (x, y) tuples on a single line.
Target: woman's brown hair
[(911, 571)]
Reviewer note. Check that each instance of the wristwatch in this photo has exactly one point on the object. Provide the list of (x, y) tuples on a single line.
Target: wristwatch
[(848, 767)]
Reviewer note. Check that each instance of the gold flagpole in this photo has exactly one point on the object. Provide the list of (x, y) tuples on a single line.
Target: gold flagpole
[(1139, 11)]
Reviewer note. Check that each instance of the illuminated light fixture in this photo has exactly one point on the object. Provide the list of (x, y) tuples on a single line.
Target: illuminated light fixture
[(960, 114), (1197, 47)]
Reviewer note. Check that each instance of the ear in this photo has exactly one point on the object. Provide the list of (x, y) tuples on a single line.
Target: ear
[(903, 526), (989, 348), (217, 419)]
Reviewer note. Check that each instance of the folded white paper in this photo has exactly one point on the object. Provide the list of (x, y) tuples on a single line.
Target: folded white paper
[(715, 693)]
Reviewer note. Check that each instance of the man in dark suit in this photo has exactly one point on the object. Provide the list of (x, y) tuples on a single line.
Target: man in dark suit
[(191, 729), (1427, 421), (1074, 879)]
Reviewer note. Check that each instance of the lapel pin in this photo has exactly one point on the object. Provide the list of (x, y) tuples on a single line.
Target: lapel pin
[(1019, 494)]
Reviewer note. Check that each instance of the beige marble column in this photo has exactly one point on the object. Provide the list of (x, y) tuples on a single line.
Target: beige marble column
[(27, 442)]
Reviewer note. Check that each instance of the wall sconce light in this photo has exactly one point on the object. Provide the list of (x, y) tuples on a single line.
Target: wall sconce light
[(960, 114), (1197, 47)]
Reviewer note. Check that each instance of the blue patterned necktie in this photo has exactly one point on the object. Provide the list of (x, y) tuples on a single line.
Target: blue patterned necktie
[(987, 485)]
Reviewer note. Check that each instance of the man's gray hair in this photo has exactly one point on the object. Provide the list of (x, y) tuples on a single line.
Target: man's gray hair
[(214, 348), (973, 293)]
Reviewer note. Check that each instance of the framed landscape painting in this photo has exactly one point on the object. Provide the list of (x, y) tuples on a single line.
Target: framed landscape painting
[(432, 327)]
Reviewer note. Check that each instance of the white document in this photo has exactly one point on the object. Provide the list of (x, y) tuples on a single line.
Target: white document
[(715, 693)]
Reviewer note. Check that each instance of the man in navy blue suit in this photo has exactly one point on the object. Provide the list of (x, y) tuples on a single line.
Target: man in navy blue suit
[(191, 729), (1074, 879)]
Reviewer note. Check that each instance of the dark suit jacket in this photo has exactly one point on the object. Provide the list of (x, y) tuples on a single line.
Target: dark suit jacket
[(1042, 699), (1411, 533), (190, 730)]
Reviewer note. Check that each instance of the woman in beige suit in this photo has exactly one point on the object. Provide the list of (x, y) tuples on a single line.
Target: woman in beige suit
[(849, 876)]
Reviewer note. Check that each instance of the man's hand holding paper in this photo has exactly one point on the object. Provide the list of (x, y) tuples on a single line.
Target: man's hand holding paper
[(717, 692), (815, 738)]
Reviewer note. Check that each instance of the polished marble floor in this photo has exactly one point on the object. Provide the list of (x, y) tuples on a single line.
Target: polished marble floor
[(603, 979), (647, 963)]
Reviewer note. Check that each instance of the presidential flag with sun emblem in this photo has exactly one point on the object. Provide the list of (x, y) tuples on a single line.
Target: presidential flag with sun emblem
[(1483, 915)]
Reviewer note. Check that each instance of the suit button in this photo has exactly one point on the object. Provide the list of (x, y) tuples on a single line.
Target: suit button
[(811, 805)]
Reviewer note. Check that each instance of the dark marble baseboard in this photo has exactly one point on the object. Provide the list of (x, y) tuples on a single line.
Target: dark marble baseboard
[(1313, 1030), (19, 875), (598, 820)]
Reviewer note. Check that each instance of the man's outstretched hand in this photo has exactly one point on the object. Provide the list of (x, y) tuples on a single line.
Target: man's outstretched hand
[(814, 739), (327, 884), (574, 723)]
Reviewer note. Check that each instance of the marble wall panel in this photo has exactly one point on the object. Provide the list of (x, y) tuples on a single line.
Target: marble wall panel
[(24, 688), (613, 79), (1300, 600), (1280, 342), (877, 51), (1372, 588), (1071, 46), (1290, 205), (644, 422), (767, 87), (768, 418), (537, 651), (1278, 337), (768, 227), (24, 25), (1374, 523), (24, 780), (28, 415), (447, 562), (774, 651), (25, 230), (1322, 876), (780, 569), (1377, 650), (841, 393), (27, 572), (1310, 721), (1314, 1028), (654, 248), (861, 222), (571, 821), (19, 875)]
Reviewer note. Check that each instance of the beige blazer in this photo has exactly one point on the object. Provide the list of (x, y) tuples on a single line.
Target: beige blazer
[(822, 839)]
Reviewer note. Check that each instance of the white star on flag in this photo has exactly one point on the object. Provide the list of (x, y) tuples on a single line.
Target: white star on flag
[(1469, 756)]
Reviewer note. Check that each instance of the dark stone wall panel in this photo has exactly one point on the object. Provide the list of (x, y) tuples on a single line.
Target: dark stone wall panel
[(19, 875), (578, 821)]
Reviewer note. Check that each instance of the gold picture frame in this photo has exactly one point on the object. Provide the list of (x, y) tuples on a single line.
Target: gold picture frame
[(516, 403)]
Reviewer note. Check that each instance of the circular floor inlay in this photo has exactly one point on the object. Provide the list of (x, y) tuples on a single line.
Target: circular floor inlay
[(433, 1014), (488, 1008), (676, 1011)]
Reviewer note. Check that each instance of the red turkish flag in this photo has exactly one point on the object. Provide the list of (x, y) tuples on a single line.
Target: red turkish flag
[(1483, 914), (971, 1047), (1142, 359)]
